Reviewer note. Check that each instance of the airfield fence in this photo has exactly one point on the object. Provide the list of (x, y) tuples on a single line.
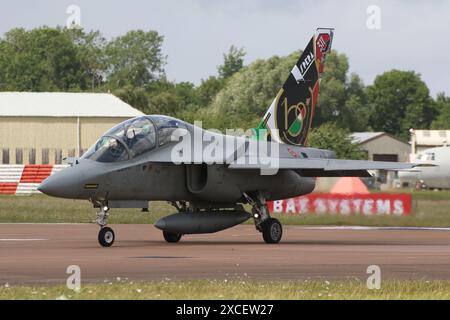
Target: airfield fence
[(24, 179)]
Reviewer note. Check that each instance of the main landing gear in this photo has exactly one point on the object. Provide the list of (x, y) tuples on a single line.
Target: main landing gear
[(172, 237), (271, 228), (106, 235)]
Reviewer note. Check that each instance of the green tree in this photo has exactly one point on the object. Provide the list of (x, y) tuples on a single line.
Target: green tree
[(355, 114), (174, 99), (331, 137), (91, 47), (442, 121), (398, 101), (42, 59), (342, 98), (332, 91), (233, 62), (208, 90), (136, 97), (248, 93), (135, 59)]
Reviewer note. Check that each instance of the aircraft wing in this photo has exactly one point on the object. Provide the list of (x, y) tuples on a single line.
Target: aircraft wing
[(318, 164)]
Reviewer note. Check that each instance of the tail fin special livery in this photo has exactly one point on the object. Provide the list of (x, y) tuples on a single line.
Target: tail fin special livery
[(209, 179), (291, 112)]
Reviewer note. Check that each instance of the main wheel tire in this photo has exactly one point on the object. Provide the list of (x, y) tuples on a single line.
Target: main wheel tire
[(172, 237), (272, 230), (106, 237)]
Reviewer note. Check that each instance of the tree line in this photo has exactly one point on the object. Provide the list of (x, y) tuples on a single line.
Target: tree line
[(132, 66)]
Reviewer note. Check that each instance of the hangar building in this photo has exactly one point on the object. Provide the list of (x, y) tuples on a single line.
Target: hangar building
[(381, 146), (425, 139), (44, 128)]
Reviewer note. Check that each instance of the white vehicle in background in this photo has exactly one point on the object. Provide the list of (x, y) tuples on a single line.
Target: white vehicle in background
[(431, 177)]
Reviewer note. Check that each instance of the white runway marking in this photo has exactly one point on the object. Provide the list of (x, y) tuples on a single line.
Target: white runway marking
[(7, 240), (375, 228)]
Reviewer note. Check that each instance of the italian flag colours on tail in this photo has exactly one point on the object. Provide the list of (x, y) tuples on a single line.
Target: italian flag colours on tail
[(290, 115)]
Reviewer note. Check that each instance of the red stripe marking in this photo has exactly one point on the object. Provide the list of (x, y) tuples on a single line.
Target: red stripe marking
[(36, 173), (8, 187)]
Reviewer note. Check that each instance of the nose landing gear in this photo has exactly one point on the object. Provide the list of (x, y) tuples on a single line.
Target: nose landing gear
[(106, 235)]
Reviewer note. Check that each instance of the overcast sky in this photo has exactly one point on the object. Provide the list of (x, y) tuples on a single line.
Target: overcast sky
[(414, 34)]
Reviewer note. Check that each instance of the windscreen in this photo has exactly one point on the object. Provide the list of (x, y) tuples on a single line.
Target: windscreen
[(107, 149), (135, 136)]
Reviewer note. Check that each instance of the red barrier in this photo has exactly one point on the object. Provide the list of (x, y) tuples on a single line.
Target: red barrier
[(35, 173), (24, 179), (397, 204), (8, 187)]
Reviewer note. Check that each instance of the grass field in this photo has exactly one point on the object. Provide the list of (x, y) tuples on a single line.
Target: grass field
[(214, 289), (430, 209)]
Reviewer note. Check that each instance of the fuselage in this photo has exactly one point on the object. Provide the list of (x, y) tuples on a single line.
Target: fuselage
[(113, 170)]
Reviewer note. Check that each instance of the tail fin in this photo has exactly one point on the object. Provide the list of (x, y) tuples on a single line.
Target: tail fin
[(290, 115)]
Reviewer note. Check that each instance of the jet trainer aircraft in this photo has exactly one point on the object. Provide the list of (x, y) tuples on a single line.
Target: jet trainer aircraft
[(207, 176)]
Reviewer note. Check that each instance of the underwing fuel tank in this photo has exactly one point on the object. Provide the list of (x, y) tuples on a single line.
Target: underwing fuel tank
[(203, 222)]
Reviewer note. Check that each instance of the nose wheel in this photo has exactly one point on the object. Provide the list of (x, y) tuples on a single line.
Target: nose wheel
[(106, 237)]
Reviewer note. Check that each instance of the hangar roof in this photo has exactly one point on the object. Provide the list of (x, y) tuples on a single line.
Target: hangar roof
[(361, 137), (62, 104)]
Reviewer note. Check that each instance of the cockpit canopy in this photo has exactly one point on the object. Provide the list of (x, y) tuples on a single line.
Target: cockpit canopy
[(133, 137)]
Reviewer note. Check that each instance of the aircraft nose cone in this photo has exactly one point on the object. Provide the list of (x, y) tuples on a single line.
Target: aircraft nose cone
[(64, 184), (45, 186), (53, 186)]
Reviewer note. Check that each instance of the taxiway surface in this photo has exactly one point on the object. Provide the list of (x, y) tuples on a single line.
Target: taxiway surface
[(41, 253)]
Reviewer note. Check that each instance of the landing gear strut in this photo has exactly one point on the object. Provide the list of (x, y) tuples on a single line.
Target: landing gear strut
[(106, 235), (270, 228)]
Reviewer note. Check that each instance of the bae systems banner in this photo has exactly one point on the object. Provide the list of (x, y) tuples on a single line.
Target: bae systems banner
[(398, 204)]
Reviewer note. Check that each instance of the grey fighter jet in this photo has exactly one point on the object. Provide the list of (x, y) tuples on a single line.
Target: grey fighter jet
[(207, 176)]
